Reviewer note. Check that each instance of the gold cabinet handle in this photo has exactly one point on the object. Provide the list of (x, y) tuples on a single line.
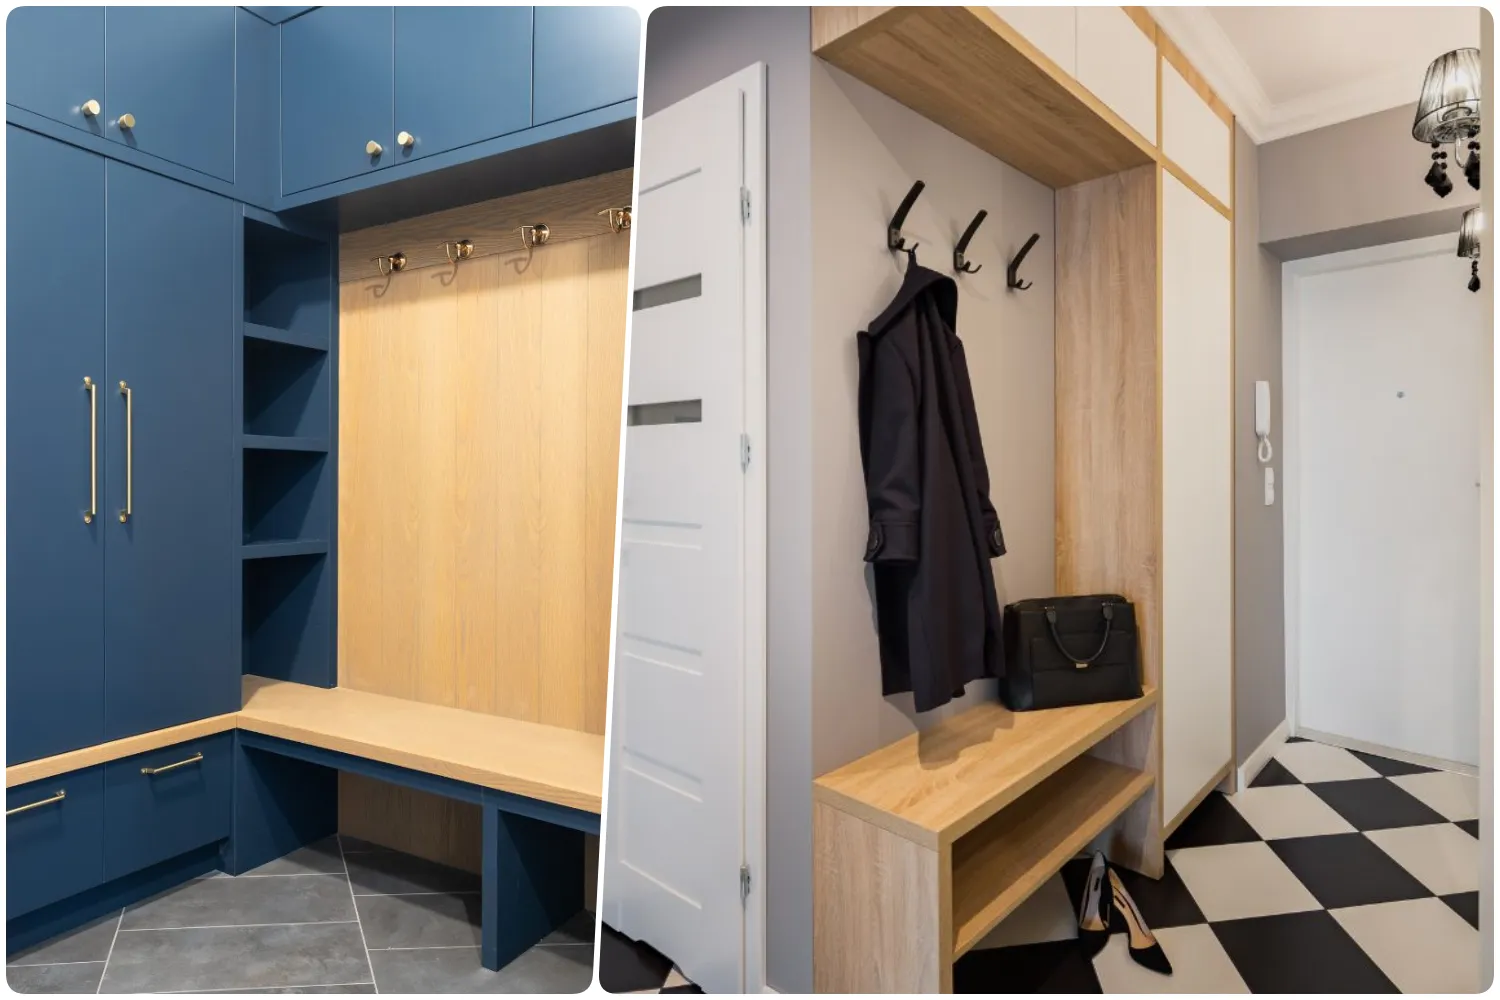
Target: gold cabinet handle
[(127, 121), (90, 108), (129, 453), (374, 148), (88, 515), (405, 139), (57, 796), (195, 758)]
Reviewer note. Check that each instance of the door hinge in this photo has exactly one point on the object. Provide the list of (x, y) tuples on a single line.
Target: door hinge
[(744, 883), (744, 204), (744, 452)]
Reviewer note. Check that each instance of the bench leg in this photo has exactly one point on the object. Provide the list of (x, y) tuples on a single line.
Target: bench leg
[(533, 881), (280, 804)]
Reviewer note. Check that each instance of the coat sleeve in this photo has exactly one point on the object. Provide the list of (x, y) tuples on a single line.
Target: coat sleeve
[(993, 536), (891, 452)]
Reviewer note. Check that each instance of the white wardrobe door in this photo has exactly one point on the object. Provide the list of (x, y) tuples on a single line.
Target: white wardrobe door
[(1193, 135), (1197, 494), (1053, 30), (1118, 63)]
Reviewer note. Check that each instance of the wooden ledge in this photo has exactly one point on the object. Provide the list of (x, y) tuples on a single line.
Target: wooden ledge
[(101, 753), (934, 787)]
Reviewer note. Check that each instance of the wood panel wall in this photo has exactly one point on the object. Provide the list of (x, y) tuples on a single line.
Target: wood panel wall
[(479, 423)]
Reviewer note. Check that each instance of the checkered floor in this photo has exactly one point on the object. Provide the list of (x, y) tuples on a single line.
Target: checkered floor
[(1334, 872)]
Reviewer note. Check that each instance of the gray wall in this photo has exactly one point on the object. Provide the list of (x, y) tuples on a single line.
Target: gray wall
[(1259, 579), (1354, 184), (688, 48)]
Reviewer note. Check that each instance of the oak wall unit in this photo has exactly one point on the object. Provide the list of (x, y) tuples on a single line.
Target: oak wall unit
[(1098, 104)]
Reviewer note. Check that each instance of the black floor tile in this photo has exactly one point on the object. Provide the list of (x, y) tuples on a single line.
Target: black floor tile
[(626, 966), (689, 988), (1388, 767), (1466, 905), (1274, 774), (1299, 953), (1298, 739), (1212, 823), (1347, 869), (1051, 967), (1375, 804), (1469, 826)]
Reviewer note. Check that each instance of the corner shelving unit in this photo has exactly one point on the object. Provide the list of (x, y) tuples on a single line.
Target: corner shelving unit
[(289, 519)]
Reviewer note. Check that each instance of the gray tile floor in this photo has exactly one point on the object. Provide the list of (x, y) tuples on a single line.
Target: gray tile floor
[(333, 917)]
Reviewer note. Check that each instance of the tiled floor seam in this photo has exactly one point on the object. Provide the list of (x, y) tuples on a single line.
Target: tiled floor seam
[(370, 965), (224, 927), (281, 986), (43, 965), (119, 919)]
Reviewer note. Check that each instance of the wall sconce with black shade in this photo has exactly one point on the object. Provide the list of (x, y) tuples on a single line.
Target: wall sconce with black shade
[(1469, 243), (1449, 113)]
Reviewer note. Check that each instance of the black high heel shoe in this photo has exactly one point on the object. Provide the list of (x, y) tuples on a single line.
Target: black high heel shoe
[(1144, 948), (1094, 910)]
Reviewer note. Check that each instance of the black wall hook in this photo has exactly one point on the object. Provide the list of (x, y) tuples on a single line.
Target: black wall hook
[(893, 238), (1011, 281), (959, 264)]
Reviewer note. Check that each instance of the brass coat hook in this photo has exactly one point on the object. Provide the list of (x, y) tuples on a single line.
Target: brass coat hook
[(619, 218), (458, 250), (394, 262), (534, 236)]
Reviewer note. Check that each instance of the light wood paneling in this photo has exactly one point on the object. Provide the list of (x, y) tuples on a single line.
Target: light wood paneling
[(881, 910), (48, 767), (933, 787), (430, 826)]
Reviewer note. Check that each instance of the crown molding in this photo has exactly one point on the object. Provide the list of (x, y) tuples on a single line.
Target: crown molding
[(1211, 51)]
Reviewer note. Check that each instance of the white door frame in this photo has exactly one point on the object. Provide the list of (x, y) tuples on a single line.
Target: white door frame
[(1293, 273), (751, 81)]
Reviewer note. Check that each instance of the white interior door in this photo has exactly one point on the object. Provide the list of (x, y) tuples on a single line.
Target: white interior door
[(676, 837), (1197, 512), (1391, 399)]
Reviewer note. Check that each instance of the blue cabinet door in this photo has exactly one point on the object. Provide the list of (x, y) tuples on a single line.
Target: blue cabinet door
[(171, 654), (54, 63), (167, 802), (54, 321), (336, 82), (54, 842), (586, 58), (172, 69), (463, 75)]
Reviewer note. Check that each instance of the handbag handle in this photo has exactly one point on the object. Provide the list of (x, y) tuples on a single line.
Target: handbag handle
[(1080, 663)]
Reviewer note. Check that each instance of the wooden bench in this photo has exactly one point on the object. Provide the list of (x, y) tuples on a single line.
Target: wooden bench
[(922, 847)]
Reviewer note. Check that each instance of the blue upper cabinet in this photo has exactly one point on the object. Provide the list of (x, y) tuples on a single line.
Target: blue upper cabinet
[(463, 75), (171, 71), (337, 78), (54, 63), (54, 320), (586, 58)]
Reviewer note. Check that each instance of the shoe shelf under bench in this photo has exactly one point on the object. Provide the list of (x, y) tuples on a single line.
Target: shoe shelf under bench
[(922, 847)]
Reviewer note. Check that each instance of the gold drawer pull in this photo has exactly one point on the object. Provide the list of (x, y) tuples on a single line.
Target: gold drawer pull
[(88, 515), (195, 758), (57, 797), (129, 453)]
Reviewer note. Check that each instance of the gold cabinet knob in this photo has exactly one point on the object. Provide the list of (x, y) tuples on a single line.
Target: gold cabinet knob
[(405, 139), (90, 108), (127, 121), (374, 148)]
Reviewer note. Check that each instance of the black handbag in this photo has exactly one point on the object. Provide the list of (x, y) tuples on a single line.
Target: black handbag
[(1070, 651)]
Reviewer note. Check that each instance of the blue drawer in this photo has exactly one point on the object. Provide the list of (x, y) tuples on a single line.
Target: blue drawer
[(57, 849), (150, 817)]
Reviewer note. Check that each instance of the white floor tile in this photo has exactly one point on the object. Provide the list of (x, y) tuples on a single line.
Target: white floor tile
[(675, 978), (1310, 762), (1442, 857), (1231, 881), (1453, 796), (1199, 964), (1281, 811), (1420, 944), (1047, 915)]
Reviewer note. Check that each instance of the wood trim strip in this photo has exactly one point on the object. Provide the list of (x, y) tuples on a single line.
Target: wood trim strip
[(1197, 799), (1198, 189), (1143, 20), (103, 753), (1179, 61)]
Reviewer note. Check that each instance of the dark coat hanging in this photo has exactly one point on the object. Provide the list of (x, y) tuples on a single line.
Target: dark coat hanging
[(933, 529)]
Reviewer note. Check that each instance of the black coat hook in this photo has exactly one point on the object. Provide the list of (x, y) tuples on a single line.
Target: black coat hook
[(893, 238), (1011, 281), (959, 264)]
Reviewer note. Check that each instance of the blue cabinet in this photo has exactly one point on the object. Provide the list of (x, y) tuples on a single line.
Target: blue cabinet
[(170, 566), (172, 69), (463, 75), (54, 63), (585, 58), (54, 317), (337, 80), (167, 802), (54, 840)]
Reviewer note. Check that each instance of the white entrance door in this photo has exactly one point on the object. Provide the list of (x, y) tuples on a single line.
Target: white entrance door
[(1392, 393), (676, 839)]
